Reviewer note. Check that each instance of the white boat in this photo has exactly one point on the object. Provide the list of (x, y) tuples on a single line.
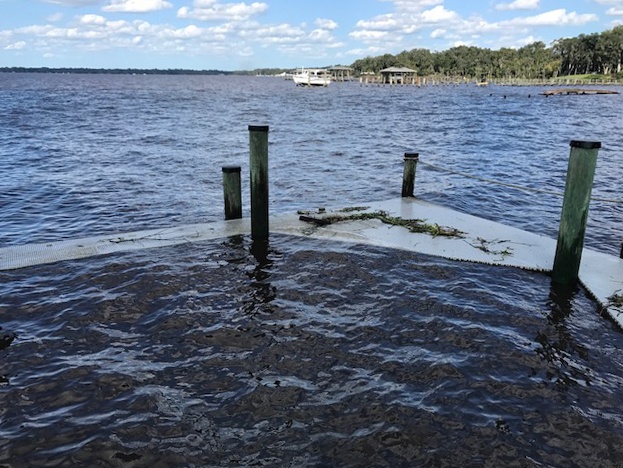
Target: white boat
[(312, 77)]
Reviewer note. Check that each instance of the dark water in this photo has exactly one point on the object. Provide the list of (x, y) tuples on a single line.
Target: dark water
[(303, 355), (298, 353)]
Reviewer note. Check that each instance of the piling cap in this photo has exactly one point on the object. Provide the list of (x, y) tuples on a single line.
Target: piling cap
[(258, 128), (229, 169), (412, 155), (585, 144)]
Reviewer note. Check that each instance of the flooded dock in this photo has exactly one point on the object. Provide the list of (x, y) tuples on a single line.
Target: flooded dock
[(472, 239)]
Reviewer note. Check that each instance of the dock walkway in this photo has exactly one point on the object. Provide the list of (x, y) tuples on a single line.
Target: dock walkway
[(480, 241)]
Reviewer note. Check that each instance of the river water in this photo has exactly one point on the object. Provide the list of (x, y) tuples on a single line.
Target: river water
[(297, 353)]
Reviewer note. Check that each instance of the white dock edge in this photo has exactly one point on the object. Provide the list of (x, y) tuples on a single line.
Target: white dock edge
[(483, 242)]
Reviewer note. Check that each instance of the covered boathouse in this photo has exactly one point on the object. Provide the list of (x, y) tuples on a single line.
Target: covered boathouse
[(339, 73), (398, 75)]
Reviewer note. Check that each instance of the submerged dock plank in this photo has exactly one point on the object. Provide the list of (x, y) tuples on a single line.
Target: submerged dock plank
[(481, 241)]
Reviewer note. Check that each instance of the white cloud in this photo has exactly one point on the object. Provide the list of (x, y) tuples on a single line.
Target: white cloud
[(412, 6), (212, 10), (518, 5), (412, 19), (326, 24), (369, 35), (558, 17), (96, 33), (320, 35), (92, 19), (74, 3), (438, 15), (616, 11), (55, 17), (526, 40), (16, 46), (369, 51), (136, 6), (190, 31), (379, 23), (406, 26), (272, 34)]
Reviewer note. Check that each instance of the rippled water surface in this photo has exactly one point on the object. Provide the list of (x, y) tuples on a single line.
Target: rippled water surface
[(86, 154), (296, 353)]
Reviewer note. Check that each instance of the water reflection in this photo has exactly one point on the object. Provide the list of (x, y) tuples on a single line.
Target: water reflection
[(564, 355), (256, 299)]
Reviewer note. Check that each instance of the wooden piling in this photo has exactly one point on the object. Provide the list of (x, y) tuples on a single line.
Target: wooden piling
[(258, 145), (580, 175), (232, 192), (408, 175)]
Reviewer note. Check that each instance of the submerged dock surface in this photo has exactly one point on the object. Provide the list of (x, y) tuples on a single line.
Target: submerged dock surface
[(479, 240)]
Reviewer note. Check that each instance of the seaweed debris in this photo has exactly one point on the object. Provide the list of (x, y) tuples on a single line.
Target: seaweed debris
[(615, 300), (413, 225), (485, 246)]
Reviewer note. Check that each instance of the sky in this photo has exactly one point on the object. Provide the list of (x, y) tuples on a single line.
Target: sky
[(246, 35)]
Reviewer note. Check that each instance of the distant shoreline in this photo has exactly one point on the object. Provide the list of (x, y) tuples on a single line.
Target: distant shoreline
[(118, 71)]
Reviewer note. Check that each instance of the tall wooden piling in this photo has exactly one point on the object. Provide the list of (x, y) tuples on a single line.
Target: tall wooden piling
[(408, 175), (258, 144), (232, 192), (580, 175)]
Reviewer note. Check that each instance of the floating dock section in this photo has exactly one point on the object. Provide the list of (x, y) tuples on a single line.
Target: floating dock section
[(475, 240)]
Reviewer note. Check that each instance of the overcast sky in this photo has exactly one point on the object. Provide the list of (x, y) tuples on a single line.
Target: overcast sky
[(235, 35)]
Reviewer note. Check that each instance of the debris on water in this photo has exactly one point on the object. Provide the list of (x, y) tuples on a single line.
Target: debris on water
[(502, 426), (6, 339)]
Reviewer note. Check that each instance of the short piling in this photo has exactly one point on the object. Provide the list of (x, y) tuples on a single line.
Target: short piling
[(408, 175), (232, 192), (580, 175), (258, 142)]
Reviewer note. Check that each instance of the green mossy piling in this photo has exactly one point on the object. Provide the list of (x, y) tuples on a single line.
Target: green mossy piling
[(258, 146), (580, 175), (232, 192), (408, 176)]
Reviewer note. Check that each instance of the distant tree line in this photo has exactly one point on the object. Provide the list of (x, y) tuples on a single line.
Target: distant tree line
[(598, 53), (114, 71)]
